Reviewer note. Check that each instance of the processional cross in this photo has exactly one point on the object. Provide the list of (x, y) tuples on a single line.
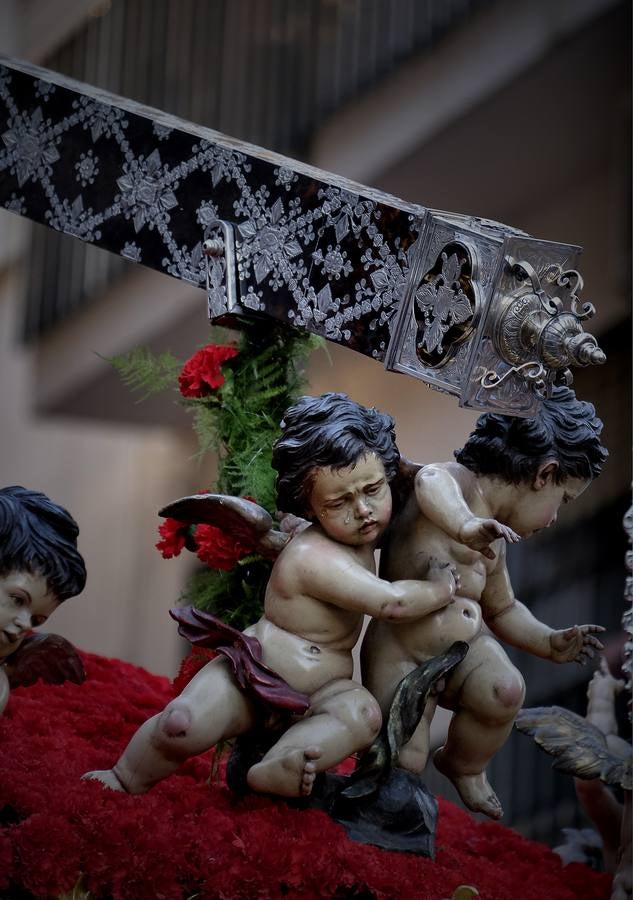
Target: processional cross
[(470, 306)]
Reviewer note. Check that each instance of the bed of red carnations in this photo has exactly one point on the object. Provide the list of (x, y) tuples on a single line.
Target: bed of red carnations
[(188, 837)]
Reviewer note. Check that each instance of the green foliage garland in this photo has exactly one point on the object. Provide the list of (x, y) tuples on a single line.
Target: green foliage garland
[(240, 422)]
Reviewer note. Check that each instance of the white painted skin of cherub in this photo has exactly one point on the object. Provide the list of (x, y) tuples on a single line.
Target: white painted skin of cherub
[(510, 480), (466, 518), (25, 603), (321, 585)]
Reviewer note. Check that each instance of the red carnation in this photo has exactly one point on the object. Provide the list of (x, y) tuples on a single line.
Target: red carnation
[(190, 666), (202, 374), (174, 536), (217, 549)]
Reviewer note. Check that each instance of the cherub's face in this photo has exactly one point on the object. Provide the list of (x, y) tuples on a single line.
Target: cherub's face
[(352, 505), (24, 603), (538, 504)]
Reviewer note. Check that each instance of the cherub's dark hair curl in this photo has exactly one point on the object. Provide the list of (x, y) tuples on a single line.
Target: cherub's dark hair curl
[(40, 537), (327, 431), (565, 430)]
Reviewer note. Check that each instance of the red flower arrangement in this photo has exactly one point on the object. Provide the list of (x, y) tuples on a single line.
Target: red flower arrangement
[(185, 837), (217, 549), (190, 666), (211, 545), (202, 374), (174, 536)]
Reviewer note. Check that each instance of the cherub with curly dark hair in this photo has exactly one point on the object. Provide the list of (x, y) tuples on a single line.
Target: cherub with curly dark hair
[(40, 566), (508, 483), (335, 460)]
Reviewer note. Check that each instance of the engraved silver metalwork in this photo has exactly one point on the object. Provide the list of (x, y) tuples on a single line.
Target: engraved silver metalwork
[(542, 320), (221, 279), (469, 306), (443, 309), (533, 372)]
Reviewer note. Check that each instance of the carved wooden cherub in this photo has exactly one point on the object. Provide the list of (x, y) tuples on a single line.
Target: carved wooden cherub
[(592, 751), (335, 461), (509, 481), (40, 567)]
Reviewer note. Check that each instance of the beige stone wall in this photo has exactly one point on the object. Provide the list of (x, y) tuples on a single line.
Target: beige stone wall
[(113, 480)]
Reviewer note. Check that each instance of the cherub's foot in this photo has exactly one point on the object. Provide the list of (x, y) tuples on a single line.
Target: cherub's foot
[(475, 790), (290, 774), (106, 777)]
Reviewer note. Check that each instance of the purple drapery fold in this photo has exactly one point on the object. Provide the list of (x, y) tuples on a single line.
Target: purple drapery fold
[(245, 654)]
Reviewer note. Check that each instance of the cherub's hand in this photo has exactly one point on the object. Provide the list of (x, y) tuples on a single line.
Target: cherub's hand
[(291, 524), (575, 644), (603, 686), (444, 572), (479, 533)]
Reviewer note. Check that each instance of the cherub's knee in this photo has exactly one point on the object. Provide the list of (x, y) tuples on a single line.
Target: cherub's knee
[(172, 728), (176, 721), (360, 711), (509, 691), (374, 716), (370, 716), (493, 698)]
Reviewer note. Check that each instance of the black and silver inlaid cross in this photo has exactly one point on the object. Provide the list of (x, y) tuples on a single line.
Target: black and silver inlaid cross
[(265, 234)]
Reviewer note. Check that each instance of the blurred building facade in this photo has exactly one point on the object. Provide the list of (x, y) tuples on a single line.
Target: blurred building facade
[(514, 110)]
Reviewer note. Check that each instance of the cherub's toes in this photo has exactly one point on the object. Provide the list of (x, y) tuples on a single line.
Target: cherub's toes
[(307, 783)]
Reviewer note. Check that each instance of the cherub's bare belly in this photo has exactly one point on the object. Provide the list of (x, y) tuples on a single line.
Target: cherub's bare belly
[(390, 651), (304, 664), (434, 634)]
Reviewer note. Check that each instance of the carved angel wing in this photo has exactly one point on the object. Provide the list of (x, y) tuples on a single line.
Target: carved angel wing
[(237, 516), (47, 656), (578, 747)]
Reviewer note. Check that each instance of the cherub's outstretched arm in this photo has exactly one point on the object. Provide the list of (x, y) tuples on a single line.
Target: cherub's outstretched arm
[(512, 621), (352, 587), (440, 497)]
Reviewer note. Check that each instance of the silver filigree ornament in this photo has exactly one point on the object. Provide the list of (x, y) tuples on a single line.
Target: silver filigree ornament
[(31, 146), (162, 132), (131, 251), (44, 90), (269, 243), (100, 118), (334, 262), (16, 204), (285, 177), (73, 219), (442, 304), (539, 332), (346, 212), (189, 265), (146, 191), (87, 168)]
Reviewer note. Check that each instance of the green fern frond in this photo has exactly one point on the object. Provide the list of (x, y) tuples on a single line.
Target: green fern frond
[(140, 370), (239, 422)]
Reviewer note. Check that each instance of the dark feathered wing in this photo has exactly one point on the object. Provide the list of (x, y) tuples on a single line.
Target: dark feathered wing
[(245, 520), (578, 747)]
